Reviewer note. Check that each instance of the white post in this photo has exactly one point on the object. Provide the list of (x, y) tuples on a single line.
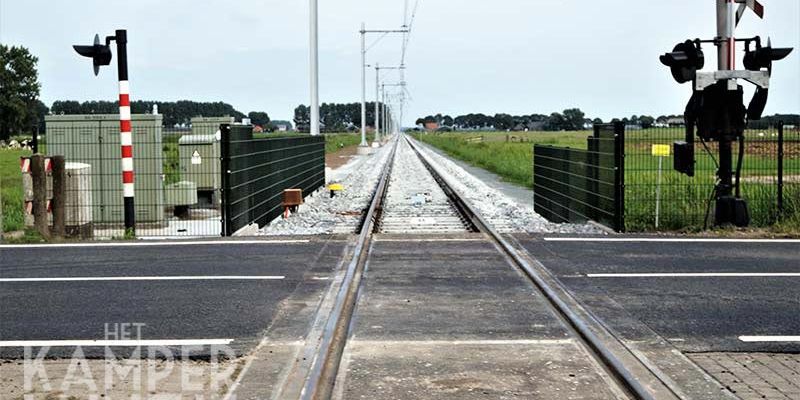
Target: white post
[(377, 103), (658, 190), (314, 58), (363, 86)]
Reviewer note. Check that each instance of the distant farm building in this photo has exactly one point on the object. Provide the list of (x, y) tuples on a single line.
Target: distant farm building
[(431, 126)]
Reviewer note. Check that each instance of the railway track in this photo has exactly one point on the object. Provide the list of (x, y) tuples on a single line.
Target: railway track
[(414, 199), (414, 202)]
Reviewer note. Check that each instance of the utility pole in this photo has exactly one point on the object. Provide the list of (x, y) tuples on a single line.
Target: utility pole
[(385, 111), (364, 50), (363, 86), (314, 61), (378, 69), (391, 117), (377, 103)]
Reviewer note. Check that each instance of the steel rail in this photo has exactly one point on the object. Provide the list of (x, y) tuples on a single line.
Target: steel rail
[(322, 377), (621, 373)]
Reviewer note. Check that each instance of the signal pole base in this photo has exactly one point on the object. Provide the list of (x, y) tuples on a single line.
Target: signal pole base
[(364, 150), (732, 211)]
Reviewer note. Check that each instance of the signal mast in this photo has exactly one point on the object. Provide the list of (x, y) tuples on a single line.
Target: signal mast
[(716, 107)]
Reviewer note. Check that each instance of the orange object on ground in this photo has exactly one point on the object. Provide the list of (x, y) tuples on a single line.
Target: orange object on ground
[(292, 198)]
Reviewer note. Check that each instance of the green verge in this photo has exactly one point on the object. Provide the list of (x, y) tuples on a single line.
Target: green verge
[(11, 189)]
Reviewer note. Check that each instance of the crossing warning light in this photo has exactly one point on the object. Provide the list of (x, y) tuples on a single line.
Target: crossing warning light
[(762, 57), (99, 53), (684, 61)]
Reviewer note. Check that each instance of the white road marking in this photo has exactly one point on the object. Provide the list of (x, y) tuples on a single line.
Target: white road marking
[(428, 240), (115, 343), (701, 275), (772, 339), (150, 244), (143, 278), (670, 240), (463, 342)]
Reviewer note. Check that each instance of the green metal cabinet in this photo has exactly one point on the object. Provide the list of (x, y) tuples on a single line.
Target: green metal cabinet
[(199, 161), (94, 140)]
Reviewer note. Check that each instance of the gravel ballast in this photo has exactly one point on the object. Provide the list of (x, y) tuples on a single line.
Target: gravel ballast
[(504, 213), (342, 214), (322, 214)]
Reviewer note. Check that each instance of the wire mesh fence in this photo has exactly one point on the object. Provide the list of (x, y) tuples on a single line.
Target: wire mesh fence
[(259, 169), (574, 185), (177, 177), (659, 198)]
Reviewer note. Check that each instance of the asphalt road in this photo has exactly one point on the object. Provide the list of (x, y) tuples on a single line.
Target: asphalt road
[(195, 292), (454, 320), (709, 313)]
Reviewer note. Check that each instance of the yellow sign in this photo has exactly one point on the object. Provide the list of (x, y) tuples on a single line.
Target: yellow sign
[(662, 150), (336, 187)]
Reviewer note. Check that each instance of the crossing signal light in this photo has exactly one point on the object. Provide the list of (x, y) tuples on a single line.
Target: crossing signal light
[(684, 61), (762, 57), (99, 53)]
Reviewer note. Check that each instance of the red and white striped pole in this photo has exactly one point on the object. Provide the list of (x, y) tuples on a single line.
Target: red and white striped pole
[(125, 135), (726, 22)]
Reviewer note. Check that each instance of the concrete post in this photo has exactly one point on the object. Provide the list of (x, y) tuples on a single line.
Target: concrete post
[(59, 196), (39, 178)]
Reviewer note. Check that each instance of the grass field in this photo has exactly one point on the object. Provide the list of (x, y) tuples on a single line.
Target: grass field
[(336, 141), (11, 189), (684, 200)]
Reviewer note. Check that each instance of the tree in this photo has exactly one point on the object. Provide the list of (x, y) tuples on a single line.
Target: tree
[(36, 117), (447, 120), (503, 122), (259, 118), (597, 121), (302, 118), (647, 121), (68, 107), (19, 89), (573, 119), (555, 122), (419, 121)]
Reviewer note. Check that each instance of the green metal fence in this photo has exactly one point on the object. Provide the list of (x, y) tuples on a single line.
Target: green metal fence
[(574, 186), (256, 171)]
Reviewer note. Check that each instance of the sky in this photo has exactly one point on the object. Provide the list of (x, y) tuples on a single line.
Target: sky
[(510, 56)]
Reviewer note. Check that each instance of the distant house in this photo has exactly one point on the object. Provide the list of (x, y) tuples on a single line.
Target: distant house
[(282, 127), (431, 126), (676, 121)]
